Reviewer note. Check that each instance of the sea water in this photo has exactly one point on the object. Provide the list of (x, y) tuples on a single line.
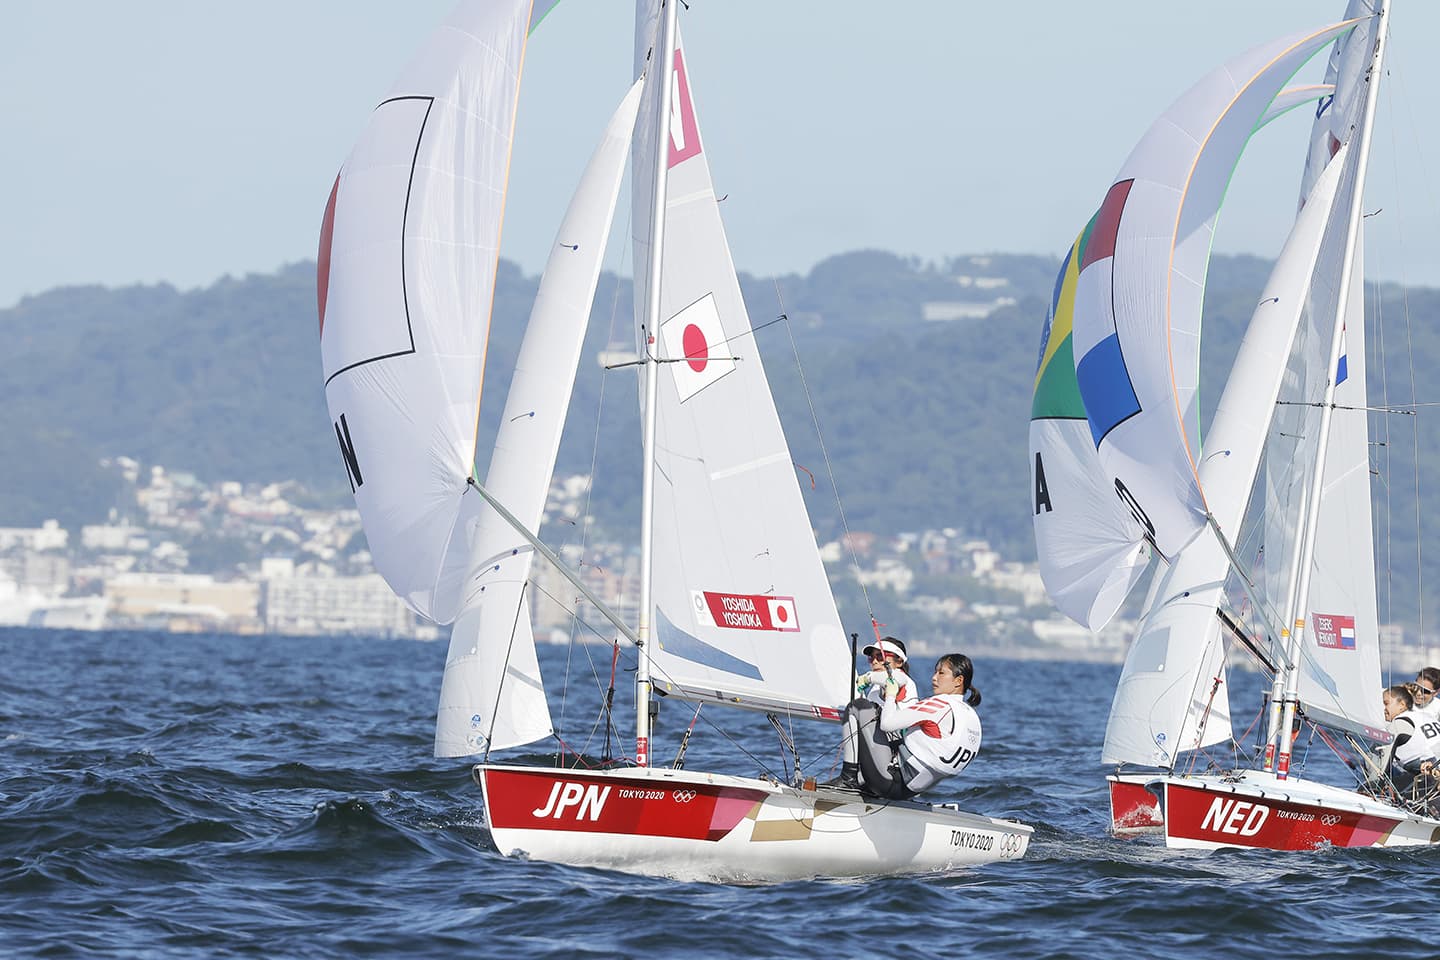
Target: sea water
[(167, 795)]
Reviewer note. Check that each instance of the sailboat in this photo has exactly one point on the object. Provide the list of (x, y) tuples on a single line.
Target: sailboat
[(1264, 536), (735, 609)]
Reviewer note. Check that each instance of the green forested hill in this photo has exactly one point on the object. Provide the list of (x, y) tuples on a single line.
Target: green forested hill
[(924, 421)]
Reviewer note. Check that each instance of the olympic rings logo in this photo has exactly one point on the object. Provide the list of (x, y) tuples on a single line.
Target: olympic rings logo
[(1330, 819), (1011, 844), (683, 796)]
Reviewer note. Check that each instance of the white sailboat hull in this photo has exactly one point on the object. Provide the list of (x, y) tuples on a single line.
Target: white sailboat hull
[(699, 826), (1257, 810)]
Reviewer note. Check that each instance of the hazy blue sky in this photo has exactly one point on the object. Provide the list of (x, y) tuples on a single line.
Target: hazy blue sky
[(181, 141)]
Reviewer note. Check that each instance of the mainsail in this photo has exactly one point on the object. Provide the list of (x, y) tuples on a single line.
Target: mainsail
[(1339, 661), (408, 254), (743, 608)]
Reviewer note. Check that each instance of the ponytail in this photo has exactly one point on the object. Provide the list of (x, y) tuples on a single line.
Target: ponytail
[(961, 666), (1400, 693)]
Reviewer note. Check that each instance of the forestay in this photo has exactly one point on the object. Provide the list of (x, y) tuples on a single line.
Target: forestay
[(492, 696), (1141, 284), (1091, 549), (408, 253), (743, 609)]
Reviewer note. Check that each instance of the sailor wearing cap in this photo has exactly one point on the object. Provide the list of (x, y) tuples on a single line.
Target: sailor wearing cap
[(938, 736), (887, 663)]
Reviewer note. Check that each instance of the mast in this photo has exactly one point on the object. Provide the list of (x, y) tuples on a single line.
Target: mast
[(665, 62), (1291, 664)]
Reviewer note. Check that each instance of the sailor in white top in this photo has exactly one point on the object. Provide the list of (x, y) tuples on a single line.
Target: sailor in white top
[(1427, 682), (887, 661), (941, 735), (1408, 747)]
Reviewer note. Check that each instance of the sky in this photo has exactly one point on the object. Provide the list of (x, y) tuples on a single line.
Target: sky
[(178, 141)]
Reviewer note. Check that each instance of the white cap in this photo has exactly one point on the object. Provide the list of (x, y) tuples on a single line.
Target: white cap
[(888, 645)]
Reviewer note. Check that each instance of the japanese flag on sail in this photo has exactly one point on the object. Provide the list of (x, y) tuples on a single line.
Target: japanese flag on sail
[(695, 335), (782, 613)]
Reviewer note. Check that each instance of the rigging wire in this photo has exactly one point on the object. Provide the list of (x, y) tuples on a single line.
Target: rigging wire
[(505, 670), (578, 621), (825, 454), (581, 527), (1425, 185), (760, 764)]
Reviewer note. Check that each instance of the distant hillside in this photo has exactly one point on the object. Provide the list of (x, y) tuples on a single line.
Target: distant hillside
[(924, 420)]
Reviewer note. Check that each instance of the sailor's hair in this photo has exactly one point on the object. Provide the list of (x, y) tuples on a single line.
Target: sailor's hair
[(1400, 693), (961, 667)]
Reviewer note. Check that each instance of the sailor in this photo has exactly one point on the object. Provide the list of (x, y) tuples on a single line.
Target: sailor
[(887, 660), (940, 734), (1427, 682), (1408, 749)]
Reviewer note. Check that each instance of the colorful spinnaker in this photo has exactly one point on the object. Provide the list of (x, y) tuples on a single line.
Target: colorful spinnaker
[(1091, 549), (1141, 283)]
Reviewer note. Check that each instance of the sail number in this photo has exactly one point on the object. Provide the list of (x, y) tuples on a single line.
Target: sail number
[(347, 453), (1139, 514), (1236, 817), (587, 801)]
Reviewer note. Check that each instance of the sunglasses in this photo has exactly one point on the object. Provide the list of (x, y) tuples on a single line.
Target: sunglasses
[(1427, 691)]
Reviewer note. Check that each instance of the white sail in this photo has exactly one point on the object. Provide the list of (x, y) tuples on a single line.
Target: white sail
[(1171, 696), (1138, 303), (408, 254), (743, 609), (1337, 117), (1091, 550), (1340, 658), (491, 696)]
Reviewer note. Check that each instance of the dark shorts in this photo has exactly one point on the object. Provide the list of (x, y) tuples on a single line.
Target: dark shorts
[(880, 769)]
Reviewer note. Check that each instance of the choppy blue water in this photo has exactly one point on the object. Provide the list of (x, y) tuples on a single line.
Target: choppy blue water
[(219, 796)]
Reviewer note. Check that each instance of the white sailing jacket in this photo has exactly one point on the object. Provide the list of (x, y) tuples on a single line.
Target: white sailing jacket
[(871, 685), (1427, 732), (942, 735), (1410, 746)]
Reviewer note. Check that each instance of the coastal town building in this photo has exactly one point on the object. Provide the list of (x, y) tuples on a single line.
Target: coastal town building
[(250, 558)]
